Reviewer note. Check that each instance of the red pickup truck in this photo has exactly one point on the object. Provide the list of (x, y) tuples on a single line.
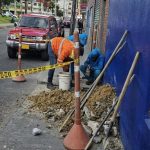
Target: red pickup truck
[(37, 29)]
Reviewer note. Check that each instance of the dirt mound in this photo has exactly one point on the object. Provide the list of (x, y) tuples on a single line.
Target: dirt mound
[(56, 104), (50, 102)]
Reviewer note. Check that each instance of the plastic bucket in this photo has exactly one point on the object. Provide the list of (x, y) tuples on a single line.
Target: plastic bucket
[(64, 81)]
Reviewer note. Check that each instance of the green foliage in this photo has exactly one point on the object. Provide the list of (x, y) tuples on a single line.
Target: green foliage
[(59, 12), (83, 1), (6, 2), (5, 19)]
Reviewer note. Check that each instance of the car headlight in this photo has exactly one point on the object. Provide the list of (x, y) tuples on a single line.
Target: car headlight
[(12, 36), (39, 38)]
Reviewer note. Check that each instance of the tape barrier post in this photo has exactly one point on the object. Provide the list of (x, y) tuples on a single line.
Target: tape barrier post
[(21, 77), (77, 138)]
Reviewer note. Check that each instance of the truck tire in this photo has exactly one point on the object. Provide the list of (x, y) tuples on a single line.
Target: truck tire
[(12, 53), (44, 55)]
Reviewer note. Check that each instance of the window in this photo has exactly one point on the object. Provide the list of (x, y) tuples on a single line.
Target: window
[(34, 22)]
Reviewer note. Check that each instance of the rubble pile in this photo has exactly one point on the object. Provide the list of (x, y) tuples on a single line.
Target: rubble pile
[(100, 100), (56, 104)]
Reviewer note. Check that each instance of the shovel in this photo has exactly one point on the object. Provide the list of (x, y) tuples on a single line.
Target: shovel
[(128, 80)]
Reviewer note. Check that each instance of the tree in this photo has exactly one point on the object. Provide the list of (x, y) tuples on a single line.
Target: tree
[(59, 12), (4, 2)]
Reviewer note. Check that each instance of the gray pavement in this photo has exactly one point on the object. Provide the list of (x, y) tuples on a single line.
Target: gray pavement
[(6, 25)]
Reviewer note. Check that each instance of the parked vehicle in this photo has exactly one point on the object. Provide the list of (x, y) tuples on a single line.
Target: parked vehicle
[(36, 30), (8, 14), (66, 22)]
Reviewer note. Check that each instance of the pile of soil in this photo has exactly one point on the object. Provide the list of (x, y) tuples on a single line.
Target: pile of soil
[(100, 99), (52, 101)]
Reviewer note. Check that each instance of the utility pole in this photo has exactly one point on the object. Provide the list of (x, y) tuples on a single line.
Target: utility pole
[(73, 14), (26, 6)]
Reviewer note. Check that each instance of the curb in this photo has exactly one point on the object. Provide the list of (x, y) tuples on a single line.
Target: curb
[(7, 26)]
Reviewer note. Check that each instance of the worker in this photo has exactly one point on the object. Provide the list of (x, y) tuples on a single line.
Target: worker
[(92, 66), (82, 42), (60, 50), (80, 25)]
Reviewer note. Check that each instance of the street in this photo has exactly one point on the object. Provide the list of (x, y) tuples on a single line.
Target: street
[(16, 123), (11, 91)]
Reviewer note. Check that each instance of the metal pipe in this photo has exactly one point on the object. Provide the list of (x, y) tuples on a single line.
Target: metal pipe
[(127, 82)]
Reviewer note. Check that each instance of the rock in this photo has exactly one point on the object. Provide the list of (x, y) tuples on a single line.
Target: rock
[(97, 139), (94, 125), (114, 131), (36, 131), (4, 146), (106, 128), (60, 112), (49, 126), (87, 129), (97, 104), (49, 114), (52, 119), (50, 147), (63, 135), (87, 112), (92, 114)]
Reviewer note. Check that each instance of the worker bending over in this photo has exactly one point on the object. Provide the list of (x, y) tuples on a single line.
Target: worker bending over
[(92, 66), (59, 50)]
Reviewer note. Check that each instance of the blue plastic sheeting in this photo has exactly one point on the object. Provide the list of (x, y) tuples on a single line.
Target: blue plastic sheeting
[(133, 15)]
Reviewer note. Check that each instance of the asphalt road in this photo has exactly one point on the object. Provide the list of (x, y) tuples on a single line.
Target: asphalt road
[(12, 92)]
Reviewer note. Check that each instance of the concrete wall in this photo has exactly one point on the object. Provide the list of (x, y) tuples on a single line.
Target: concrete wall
[(133, 15)]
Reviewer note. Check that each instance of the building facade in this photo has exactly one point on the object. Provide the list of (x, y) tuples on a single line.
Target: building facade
[(135, 109)]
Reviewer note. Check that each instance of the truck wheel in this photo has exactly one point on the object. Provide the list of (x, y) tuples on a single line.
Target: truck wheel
[(44, 55), (12, 53)]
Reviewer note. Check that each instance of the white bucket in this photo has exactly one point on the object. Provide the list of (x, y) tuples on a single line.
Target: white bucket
[(64, 81)]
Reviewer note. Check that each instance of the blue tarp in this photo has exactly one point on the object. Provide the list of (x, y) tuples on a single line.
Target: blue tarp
[(133, 15)]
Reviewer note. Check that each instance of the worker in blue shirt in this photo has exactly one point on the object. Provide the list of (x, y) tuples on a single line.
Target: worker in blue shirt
[(82, 38), (82, 41), (92, 66)]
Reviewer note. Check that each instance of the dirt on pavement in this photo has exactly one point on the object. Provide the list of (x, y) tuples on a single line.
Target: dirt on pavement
[(56, 104)]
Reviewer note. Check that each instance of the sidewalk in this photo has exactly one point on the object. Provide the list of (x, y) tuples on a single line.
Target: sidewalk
[(16, 133), (6, 25)]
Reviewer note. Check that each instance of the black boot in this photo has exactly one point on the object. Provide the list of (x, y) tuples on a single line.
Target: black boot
[(50, 84)]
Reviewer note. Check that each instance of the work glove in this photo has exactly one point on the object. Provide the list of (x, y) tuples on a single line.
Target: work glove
[(59, 61)]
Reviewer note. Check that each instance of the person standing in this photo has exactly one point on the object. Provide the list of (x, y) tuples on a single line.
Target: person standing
[(80, 25)]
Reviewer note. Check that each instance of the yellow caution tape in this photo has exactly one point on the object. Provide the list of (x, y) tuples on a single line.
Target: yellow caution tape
[(15, 73)]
